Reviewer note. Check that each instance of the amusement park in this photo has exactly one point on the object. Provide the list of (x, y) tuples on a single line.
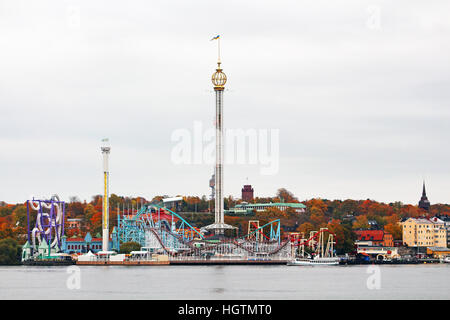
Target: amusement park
[(212, 159), (163, 235), (167, 238)]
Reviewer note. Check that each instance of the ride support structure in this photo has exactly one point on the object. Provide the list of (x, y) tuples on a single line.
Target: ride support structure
[(315, 243), (160, 230), (49, 226)]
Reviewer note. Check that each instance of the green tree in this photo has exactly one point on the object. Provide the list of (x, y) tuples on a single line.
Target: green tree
[(10, 252), (127, 247)]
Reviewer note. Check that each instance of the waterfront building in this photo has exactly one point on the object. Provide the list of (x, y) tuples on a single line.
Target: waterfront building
[(247, 193), (438, 252), (421, 232), (248, 208), (378, 238), (26, 251), (424, 203), (43, 250), (83, 245), (444, 221), (379, 252)]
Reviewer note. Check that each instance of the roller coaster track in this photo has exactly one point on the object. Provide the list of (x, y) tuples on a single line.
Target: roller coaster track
[(297, 243), (237, 245), (176, 236), (281, 246), (175, 243)]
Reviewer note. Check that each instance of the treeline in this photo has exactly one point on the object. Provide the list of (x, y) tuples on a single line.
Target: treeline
[(342, 217)]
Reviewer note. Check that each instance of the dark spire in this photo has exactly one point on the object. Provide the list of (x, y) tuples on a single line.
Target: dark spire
[(424, 203), (424, 193)]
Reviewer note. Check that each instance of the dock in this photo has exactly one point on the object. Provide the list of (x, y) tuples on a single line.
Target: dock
[(182, 262), (227, 262), (123, 263)]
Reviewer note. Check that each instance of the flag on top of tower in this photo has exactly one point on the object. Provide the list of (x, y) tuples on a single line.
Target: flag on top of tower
[(214, 38)]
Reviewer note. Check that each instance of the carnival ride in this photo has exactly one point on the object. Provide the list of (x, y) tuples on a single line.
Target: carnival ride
[(315, 243), (49, 225), (159, 229)]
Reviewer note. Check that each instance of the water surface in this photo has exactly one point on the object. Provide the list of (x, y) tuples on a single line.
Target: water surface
[(226, 282)]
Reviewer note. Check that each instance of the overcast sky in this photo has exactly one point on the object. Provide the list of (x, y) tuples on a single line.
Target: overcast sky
[(360, 91)]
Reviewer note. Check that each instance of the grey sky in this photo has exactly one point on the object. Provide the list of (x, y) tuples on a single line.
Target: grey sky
[(362, 112)]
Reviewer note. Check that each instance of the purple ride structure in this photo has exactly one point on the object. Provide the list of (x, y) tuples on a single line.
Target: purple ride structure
[(44, 239)]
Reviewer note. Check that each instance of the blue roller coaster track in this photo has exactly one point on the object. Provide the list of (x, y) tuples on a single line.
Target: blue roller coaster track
[(157, 226), (166, 224)]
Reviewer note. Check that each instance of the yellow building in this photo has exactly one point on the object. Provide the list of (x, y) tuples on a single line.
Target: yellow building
[(424, 233), (438, 252)]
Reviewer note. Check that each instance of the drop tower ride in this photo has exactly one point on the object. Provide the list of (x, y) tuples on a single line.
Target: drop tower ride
[(105, 212), (219, 79)]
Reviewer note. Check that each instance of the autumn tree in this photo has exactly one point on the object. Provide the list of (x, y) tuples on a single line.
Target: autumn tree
[(361, 222), (344, 236), (74, 208), (306, 228), (96, 222), (393, 227), (192, 203), (157, 199), (286, 196)]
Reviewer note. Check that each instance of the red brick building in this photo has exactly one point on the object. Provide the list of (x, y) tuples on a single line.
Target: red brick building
[(247, 193)]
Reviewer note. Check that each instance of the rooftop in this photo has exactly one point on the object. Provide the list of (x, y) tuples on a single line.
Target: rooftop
[(271, 204), (370, 235), (442, 249), (419, 220)]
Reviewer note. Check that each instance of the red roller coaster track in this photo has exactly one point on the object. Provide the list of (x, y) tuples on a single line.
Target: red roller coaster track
[(297, 243)]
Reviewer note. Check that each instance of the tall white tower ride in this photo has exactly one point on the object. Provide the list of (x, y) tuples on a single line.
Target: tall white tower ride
[(219, 79), (105, 212)]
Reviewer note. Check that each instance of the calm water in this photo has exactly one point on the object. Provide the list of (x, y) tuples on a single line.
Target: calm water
[(226, 282)]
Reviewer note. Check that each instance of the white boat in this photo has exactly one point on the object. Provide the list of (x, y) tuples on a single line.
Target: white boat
[(317, 261)]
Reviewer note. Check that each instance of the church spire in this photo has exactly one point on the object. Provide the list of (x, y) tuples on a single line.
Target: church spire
[(424, 203), (424, 193)]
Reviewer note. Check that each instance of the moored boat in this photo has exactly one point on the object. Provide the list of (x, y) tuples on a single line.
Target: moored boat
[(318, 261)]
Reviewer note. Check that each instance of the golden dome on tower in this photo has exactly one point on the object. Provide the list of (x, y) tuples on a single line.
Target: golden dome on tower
[(219, 78)]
